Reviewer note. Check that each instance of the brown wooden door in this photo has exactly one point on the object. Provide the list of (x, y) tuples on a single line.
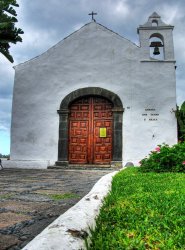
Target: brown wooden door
[(90, 131)]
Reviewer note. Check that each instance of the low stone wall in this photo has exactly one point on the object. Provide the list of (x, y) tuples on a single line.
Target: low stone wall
[(69, 230)]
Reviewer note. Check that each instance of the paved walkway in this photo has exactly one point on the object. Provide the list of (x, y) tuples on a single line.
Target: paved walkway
[(32, 199)]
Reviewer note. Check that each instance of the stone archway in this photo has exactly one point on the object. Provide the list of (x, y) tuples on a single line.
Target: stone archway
[(64, 121)]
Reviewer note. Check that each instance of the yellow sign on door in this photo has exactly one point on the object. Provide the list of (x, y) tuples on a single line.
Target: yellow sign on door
[(103, 132)]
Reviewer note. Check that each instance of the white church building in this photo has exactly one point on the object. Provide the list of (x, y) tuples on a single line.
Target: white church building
[(95, 98)]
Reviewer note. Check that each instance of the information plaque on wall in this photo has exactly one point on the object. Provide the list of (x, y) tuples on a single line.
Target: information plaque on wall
[(103, 132)]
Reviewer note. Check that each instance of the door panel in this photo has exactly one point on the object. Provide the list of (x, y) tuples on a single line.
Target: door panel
[(86, 145)]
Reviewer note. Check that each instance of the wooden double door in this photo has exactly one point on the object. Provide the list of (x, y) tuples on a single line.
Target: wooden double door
[(90, 131)]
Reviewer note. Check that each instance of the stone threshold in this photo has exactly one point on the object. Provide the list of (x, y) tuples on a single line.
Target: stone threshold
[(85, 167)]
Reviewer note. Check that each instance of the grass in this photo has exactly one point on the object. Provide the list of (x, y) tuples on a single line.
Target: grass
[(6, 196), (143, 211), (62, 196)]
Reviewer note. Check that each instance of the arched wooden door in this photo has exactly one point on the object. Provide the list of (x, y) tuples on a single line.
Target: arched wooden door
[(90, 131)]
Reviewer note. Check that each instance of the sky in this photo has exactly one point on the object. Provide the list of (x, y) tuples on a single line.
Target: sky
[(45, 23)]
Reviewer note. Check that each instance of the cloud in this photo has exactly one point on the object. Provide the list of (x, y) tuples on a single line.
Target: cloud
[(180, 91), (180, 47), (6, 88), (35, 43), (3, 128), (121, 9), (6, 77), (5, 113), (171, 13)]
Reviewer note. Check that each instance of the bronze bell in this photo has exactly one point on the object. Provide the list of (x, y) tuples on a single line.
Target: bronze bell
[(156, 51)]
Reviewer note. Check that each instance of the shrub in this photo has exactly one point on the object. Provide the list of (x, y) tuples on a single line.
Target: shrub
[(165, 159), (180, 115)]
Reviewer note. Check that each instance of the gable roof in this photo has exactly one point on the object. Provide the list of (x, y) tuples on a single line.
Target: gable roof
[(72, 34)]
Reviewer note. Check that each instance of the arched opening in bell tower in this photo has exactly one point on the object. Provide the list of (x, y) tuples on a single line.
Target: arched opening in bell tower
[(156, 43)]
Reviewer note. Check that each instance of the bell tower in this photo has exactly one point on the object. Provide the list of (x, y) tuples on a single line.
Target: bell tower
[(156, 39)]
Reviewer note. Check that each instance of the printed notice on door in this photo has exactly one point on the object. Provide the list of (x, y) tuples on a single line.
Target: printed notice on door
[(103, 132)]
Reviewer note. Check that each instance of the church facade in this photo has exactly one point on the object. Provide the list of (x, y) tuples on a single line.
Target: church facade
[(95, 98)]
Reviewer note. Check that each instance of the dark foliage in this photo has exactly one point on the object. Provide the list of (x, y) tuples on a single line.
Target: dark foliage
[(8, 32), (180, 114)]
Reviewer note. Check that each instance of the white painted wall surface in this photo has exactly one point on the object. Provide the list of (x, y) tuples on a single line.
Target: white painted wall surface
[(92, 57)]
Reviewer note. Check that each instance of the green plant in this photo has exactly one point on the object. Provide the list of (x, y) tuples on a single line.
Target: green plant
[(165, 159), (6, 196), (8, 32), (63, 196), (180, 115)]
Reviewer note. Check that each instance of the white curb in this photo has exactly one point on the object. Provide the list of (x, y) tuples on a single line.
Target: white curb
[(67, 232)]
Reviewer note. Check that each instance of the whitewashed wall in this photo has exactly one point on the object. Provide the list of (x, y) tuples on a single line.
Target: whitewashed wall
[(91, 57)]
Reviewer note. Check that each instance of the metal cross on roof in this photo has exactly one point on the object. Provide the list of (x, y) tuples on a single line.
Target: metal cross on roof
[(92, 14)]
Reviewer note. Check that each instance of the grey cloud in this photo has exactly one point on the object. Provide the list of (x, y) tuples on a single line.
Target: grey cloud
[(5, 113)]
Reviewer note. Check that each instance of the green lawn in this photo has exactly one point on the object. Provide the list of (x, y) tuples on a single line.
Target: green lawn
[(143, 211)]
